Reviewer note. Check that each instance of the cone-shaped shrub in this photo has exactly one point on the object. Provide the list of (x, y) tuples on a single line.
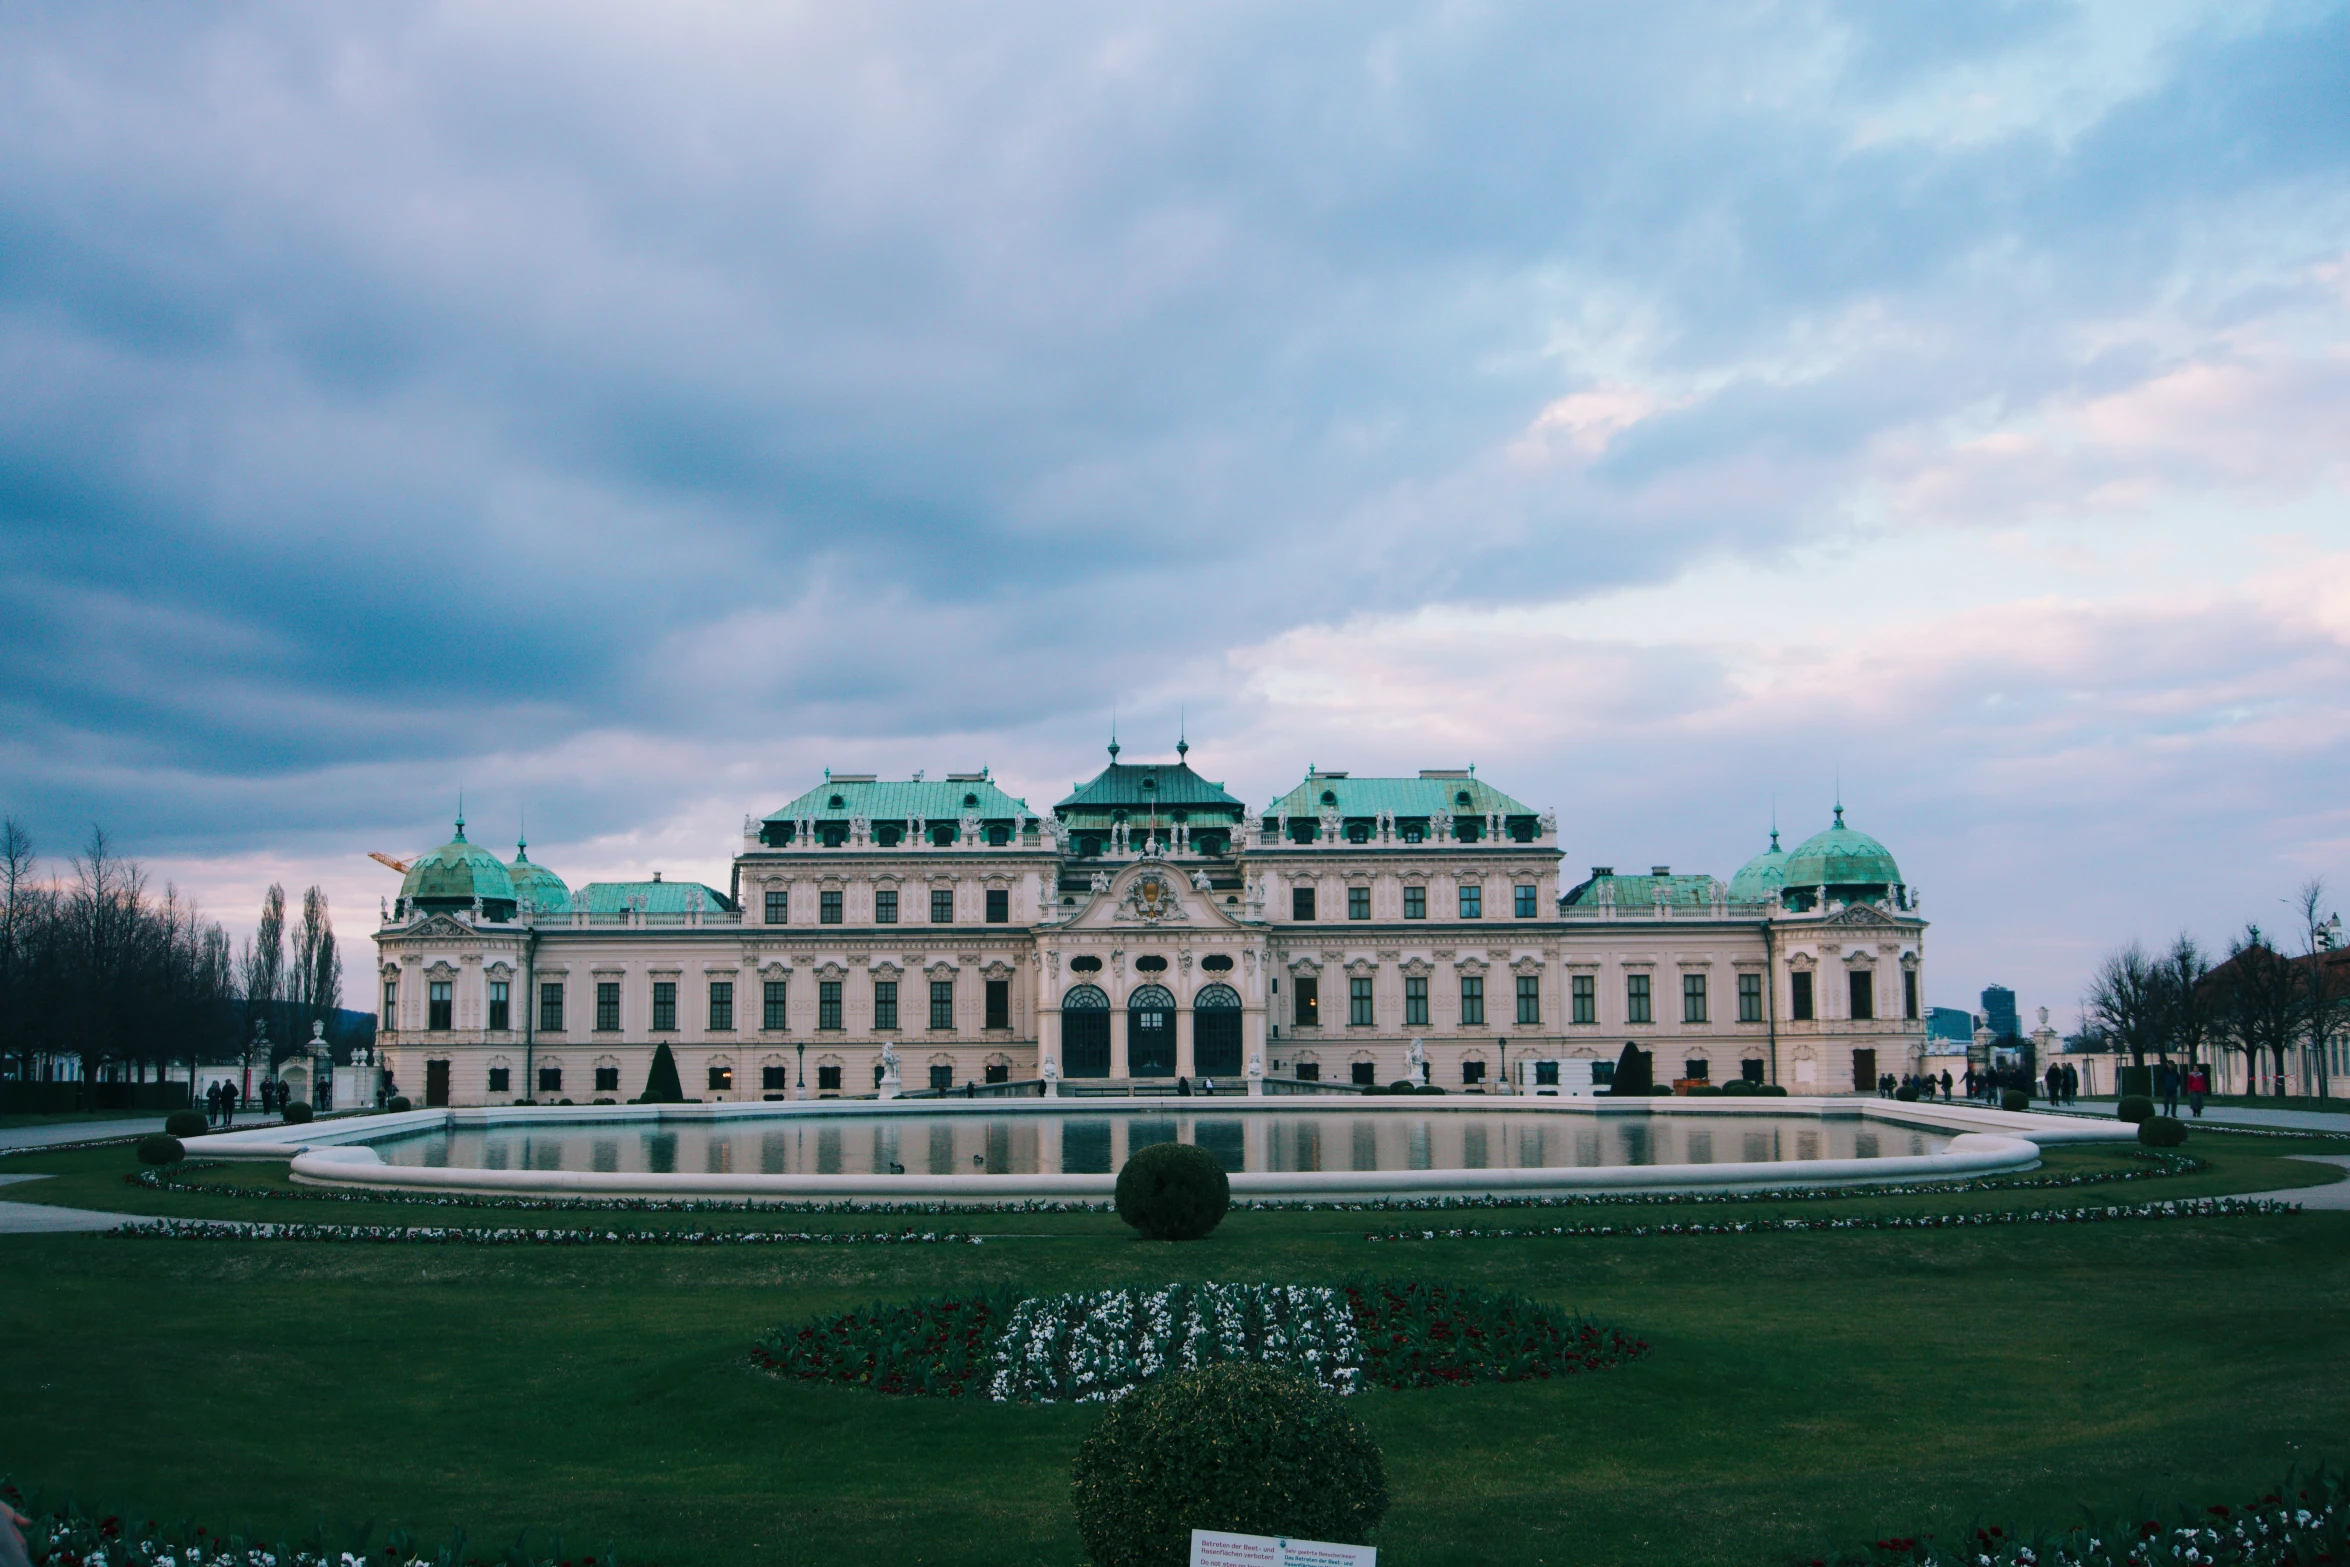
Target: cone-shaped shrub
[(1235, 1447), (1633, 1071), (661, 1085), (1173, 1192)]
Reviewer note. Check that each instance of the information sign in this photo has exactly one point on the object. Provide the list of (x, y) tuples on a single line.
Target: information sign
[(1210, 1549)]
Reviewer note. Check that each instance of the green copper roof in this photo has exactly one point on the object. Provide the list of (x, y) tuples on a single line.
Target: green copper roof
[(1759, 879), (898, 800), (1406, 797), (1635, 893), (456, 873), (1147, 786), (536, 885), (1841, 857), (660, 897)]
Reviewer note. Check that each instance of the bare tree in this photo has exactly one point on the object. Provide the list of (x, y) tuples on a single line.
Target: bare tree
[(2326, 984), (2186, 998), (2127, 1001), (19, 917), (264, 965), (316, 977), (2260, 1003)]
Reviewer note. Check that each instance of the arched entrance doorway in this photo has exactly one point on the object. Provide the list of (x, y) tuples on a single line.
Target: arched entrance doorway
[(1215, 1042), (1085, 1032), (1150, 1032)]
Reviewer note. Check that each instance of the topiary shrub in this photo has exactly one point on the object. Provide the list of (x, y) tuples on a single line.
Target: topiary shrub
[(160, 1148), (1235, 1447), (1907, 1093), (1429, 1088), (1403, 1086), (1704, 1091), (2162, 1131), (1633, 1071), (2134, 1108), (2015, 1099), (661, 1084), (297, 1113), (397, 1104), (186, 1123), (1173, 1192)]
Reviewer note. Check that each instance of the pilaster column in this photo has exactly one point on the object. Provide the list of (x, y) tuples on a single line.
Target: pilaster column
[(1186, 1062)]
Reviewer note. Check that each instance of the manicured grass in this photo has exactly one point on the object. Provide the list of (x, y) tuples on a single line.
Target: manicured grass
[(1804, 1390)]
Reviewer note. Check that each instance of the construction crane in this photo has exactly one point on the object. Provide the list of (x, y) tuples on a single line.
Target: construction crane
[(384, 859)]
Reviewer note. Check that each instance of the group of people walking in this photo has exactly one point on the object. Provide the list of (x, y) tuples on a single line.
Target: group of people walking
[(221, 1100)]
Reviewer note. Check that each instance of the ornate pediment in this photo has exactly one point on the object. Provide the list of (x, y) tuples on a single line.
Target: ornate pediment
[(442, 927)]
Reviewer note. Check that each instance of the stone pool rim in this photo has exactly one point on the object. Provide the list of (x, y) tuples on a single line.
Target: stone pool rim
[(336, 1152)]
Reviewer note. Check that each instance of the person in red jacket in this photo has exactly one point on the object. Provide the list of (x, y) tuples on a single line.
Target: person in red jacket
[(2198, 1084)]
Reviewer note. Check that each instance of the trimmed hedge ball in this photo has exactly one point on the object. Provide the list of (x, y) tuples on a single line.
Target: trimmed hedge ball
[(2162, 1131), (1234, 1446), (160, 1148), (396, 1104), (2015, 1099), (2135, 1108), (186, 1123), (1173, 1192), (297, 1113)]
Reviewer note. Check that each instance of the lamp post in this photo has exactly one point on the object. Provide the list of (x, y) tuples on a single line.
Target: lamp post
[(802, 1047)]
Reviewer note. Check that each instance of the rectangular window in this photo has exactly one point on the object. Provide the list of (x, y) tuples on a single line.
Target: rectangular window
[(942, 1003), (607, 1080), (885, 906), (721, 1079), (1909, 994), (774, 1077), (1526, 905), (500, 1077), (438, 1005), (885, 1003), (1309, 1071), (391, 1004), (1472, 902), (550, 1080), (828, 1079), (1358, 1002), (1301, 903), (608, 1005), (665, 1005), (722, 1003), (942, 1077), (551, 1007), (1863, 985), (1415, 1002), (501, 1010), (774, 1011), (1472, 1071), (828, 908), (828, 1004), (1546, 1074), (1698, 1069), (1750, 998), (942, 905), (1308, 1001), (999, 906), (999, 1003), (1415, 903), (1529, 998), (1472, 999), (1358, 903), (778, 907), (997, 1072), (1799, 997), (1584, 993), (1365, 1073), (1636, 999), (1693, 998)]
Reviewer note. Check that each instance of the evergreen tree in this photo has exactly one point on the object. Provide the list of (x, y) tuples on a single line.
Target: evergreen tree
[(661, 1085), (1634, 1074)]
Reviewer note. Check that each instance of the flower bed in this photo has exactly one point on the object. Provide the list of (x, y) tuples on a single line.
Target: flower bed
[(2191, 1208), (2154, 1166), (2300, 1523), (1095, 1347), (459, 1235), (63, 1535)]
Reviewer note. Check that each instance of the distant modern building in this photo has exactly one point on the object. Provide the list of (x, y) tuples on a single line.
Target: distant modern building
[(1150, 926), (1953, 1025), (1999, 1013)]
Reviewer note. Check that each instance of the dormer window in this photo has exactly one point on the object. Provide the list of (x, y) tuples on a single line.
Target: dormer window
[(1329, 797), (1461, 799), (834, 804), (970, 799)]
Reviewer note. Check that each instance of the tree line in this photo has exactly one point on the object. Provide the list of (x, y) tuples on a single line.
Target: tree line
[(2257, 999), (95, 965)]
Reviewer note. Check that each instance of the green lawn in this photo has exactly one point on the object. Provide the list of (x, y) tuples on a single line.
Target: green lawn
[(1805, 1391)]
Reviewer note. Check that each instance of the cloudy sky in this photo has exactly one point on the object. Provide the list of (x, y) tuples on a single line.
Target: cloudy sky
[(622, 413)]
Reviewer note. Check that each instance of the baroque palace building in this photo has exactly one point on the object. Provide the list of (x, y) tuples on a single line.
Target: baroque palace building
[(1151, 927)]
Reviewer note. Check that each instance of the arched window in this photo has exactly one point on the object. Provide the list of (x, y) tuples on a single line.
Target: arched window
[(1150, 1032), (1085, 1032), (1215, 1022)]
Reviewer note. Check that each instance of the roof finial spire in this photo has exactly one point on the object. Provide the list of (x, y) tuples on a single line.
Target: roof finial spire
[(1839, 796), (522, 834), (1182, 733), (1774, 823), (460, 816), (1113, 732)]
